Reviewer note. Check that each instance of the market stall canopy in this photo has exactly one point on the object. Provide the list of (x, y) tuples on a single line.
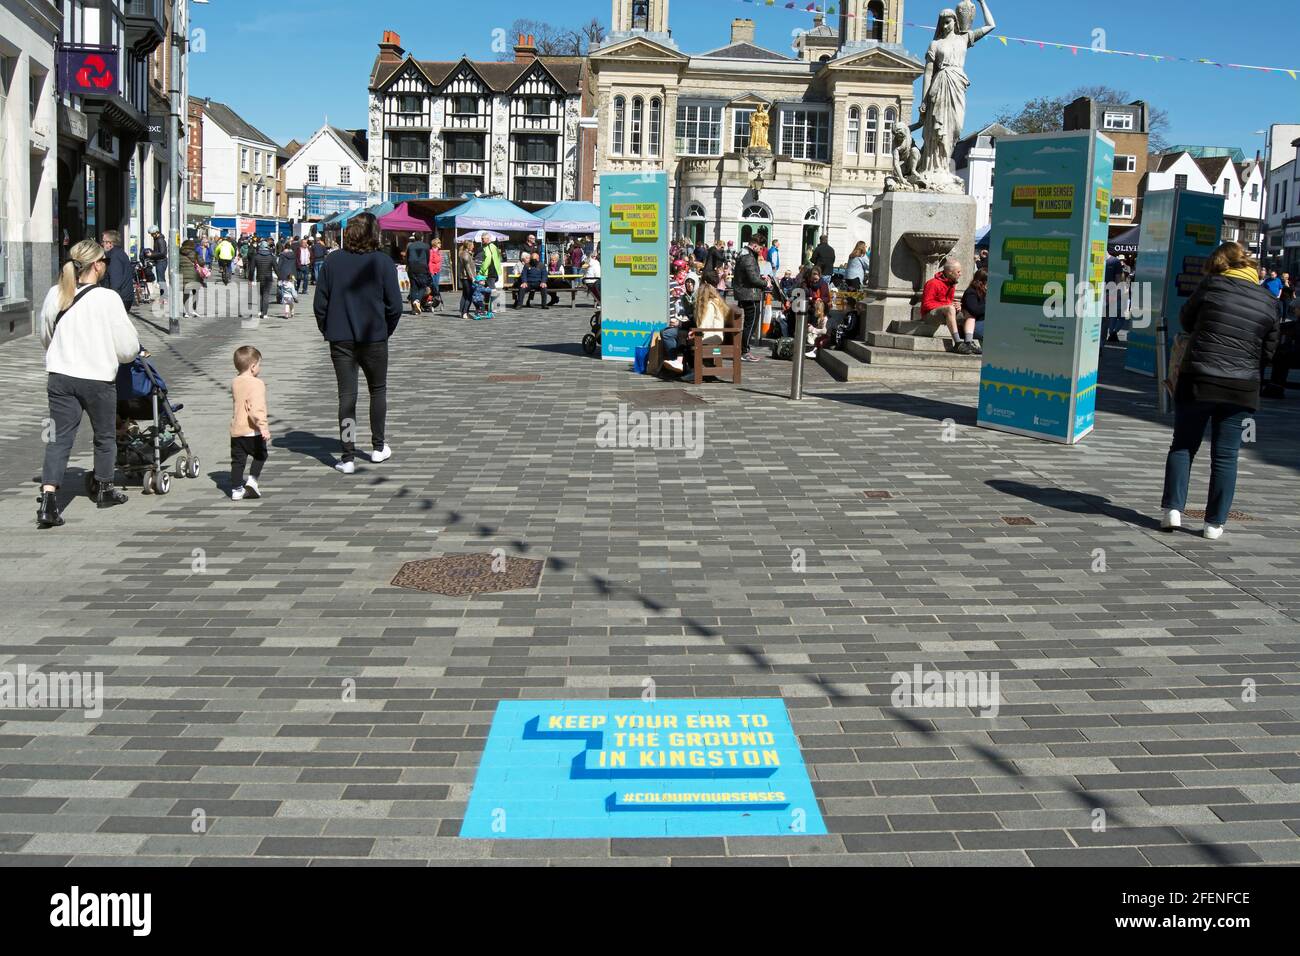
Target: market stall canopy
[(478, 234), (1125, 243), (404, 219), (570, 216), (378, 211), (982, 237), (489, 213)]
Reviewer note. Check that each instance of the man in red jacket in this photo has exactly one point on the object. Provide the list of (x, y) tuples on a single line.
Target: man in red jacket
[(939, 303)]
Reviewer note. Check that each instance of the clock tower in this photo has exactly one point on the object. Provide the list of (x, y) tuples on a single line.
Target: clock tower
[(639, 16)]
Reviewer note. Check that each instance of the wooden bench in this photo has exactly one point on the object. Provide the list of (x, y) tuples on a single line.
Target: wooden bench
[(713, 359)]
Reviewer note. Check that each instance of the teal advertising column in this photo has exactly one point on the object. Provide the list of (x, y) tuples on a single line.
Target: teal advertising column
[(1179, 231), (1042, 330), (633, 261)]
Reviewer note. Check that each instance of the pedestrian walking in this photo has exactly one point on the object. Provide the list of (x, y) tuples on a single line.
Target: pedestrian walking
[(120, 273), (435, 271), (157, 257), (286, 272), (190, 279), (224, 252), (1232, 323), (466, 274), (303, 253), (250, 424), (261, 270), (87, 335), (358, 305), (417, 271), (317, 257)]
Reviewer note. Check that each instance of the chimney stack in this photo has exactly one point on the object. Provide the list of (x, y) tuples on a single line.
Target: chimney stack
[(390, 48), (742, 30), (525, 49)]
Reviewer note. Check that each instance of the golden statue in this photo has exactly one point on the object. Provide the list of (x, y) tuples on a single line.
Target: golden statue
[(758, 127)]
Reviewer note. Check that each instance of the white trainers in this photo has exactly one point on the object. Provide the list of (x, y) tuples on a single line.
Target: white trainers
[(237, 494), (1170, 520), (811, 353), (677, 364), (1213, 531), (347, 467), (381, 454), (250, 488)]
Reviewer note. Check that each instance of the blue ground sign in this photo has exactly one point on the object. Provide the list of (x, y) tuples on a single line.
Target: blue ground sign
[(634, 768)]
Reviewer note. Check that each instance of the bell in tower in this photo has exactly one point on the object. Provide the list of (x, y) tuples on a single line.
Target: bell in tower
[(866, 21), (640, 16)]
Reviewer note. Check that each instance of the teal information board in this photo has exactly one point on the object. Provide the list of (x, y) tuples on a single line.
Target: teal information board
[(633, 261), (1042, 330), (1179, 231), (635, 768)]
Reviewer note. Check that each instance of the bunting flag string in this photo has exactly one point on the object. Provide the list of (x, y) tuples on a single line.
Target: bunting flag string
[(830, 9)]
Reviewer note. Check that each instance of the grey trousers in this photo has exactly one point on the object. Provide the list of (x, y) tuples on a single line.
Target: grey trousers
[(69, 397)]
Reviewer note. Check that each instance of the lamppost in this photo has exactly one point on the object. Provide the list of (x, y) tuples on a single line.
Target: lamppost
[(1263, 199), (178, 170)]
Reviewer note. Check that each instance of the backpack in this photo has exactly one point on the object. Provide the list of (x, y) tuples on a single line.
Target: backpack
[(783, 349)]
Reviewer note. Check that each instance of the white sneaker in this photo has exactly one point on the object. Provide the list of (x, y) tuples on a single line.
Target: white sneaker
[(811, 353), (250, 488), (237, 494), (381, 454), (677, 364), (1213, 531), (347, 467), (1171, 520)]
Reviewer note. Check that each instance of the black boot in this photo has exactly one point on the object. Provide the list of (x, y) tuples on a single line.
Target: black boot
[(47, 510), (107, 496)]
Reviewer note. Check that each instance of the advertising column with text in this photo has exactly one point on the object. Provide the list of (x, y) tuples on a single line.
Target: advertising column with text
[(633, 261), (1042, 334)]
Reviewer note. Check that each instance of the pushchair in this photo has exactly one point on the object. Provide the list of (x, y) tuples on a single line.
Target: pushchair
[(481, 298), (591, 341), (148, 431)]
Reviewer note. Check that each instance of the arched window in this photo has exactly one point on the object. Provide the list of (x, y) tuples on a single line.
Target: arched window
[(854, 128), (695, 211), (656, 126), (873, 130), (812, 215), (875, 20), (757, 211), (616, 143), (886, 134), (638, 110)]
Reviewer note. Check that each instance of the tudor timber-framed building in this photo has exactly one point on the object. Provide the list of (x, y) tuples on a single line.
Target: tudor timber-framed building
[(832, 104), (447, 129)]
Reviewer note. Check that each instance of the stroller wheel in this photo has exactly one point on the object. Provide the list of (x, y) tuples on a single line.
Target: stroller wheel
[(595, 324), (146, 483), (182, 465), (162, 483), (192, 469), (590, 343)]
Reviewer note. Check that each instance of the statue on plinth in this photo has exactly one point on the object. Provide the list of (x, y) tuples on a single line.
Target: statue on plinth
[(759, 124), (943, 97), (906, 176)]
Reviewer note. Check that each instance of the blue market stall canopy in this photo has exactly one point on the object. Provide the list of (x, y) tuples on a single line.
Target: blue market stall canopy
[(982, 238), (1125, 243), (569, 216), (490, 213), (381, 209)]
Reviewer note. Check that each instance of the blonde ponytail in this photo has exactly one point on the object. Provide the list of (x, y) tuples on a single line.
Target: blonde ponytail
[(80, 259)]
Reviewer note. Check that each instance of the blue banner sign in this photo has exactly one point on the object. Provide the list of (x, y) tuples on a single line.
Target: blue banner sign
[(634, 768), (633, 261), (1047, 259)]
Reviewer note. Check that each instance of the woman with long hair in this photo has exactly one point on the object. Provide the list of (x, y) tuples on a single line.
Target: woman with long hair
[(855, 273), (466, 273), (358, 305), (87, 335), (1232, 321)]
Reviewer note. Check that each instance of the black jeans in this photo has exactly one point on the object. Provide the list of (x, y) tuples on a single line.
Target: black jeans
[(69, 397), (751, 310), (241, 450), (420, 283), (372, 359)]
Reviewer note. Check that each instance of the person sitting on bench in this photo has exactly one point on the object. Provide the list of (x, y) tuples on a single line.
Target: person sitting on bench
[(532, 279), (710, 315), (554, 277)]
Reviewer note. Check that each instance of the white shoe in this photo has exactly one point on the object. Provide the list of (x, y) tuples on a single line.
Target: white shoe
[(250, 488), (1171, 520), (382, 454), (811, 353), (1213, 531), (347, 467), (237, 494), (677, 365)]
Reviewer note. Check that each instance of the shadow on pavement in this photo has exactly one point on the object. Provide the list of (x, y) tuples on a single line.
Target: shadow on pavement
[(322, 448), (913, 405), (1074, 502)]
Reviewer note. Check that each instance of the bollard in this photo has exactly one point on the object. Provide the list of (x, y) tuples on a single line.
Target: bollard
[(800, 335)]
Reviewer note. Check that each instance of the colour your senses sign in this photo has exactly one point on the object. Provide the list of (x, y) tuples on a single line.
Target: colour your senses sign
[(1047, 263), (633, 261), (634, 768)]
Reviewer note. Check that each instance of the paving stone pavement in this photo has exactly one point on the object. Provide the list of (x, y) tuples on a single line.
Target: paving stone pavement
[(1148, 676)]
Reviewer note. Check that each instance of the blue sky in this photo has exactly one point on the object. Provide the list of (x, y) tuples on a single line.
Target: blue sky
[(285, 65)]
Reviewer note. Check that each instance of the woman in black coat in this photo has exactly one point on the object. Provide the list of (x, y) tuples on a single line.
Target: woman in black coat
[(1232, 321), (358, 304)]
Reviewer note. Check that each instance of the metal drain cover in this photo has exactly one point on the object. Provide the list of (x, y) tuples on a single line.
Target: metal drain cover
[(460, 574)]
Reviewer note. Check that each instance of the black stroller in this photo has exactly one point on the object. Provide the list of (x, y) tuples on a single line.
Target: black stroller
[(591, 341), (148, 431)]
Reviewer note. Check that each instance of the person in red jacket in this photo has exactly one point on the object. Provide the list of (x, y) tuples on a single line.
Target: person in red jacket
[(939, 303), (435, 270)]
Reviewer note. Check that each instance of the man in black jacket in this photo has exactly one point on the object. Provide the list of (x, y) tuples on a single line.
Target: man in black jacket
[(748, 285), (120, 276), (157, 257), (824, 258), (261, 272), (417, 271)]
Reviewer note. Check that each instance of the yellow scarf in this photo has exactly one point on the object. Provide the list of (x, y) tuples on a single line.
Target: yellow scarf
[(1245, 273)]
